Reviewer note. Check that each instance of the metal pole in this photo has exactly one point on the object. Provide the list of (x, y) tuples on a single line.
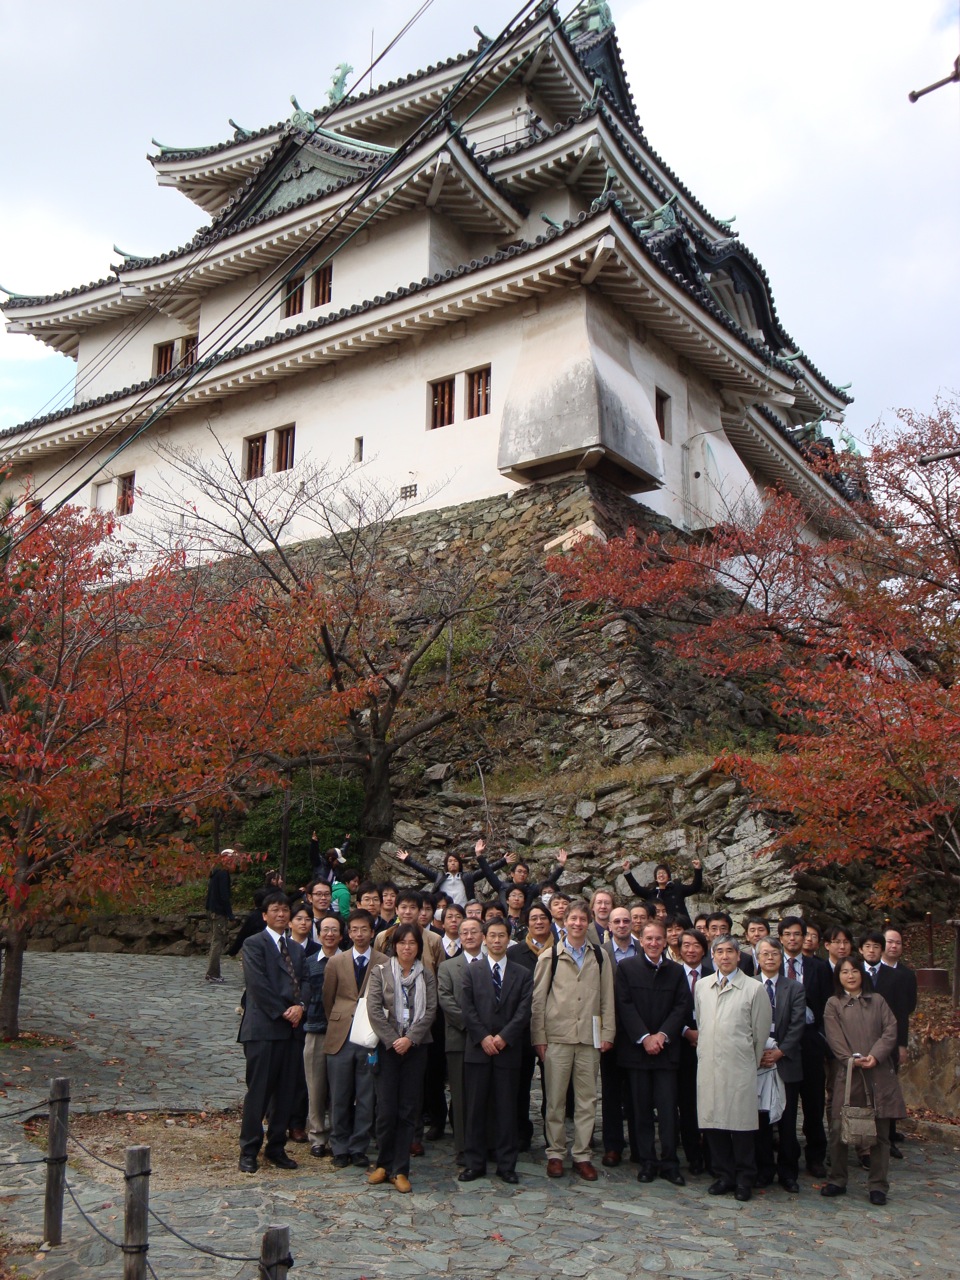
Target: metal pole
[(57, 1131), (135, 1219), (929, 940), (275, 1258)]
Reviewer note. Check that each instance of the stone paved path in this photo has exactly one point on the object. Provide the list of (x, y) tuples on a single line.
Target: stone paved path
[(161, 1038)]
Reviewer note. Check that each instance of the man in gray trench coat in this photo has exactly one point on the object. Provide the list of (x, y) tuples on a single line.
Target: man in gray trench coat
[(733, 1019)]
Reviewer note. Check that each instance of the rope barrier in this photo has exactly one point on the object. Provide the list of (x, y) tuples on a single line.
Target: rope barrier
[(12, 1164), (89, 1221), (200, 1248), (34, 1107), (118, 1168)]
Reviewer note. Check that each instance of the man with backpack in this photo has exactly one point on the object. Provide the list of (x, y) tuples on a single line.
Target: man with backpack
[(572, 1023)]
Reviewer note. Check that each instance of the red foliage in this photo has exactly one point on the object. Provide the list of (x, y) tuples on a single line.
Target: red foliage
[(848, 619)]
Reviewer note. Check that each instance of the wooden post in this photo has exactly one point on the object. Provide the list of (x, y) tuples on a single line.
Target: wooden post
[(57, 1131), (275, 1253), (930, 939), (955, 925), (135, 1220)]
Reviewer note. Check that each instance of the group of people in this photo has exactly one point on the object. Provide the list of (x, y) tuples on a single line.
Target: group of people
[(357, 1021)]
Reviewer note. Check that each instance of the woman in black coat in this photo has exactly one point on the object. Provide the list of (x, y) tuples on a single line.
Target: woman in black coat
[(672, 893)]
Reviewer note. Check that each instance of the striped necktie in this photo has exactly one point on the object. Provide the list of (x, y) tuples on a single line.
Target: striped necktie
[(497, 982)]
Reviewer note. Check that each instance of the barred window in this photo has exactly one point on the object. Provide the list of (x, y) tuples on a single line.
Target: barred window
[(190, 346), (408, 491), (255, 448), (478, 393), (283, 452), (441, 403), (125, 488), (323, 285), (165, 355), (293, 298)]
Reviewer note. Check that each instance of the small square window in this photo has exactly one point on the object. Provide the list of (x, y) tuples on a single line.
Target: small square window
[(125, 487), (408, 491), (441, 403), (283, 453), (478, 393), (255, 460), (358, 449), (323, 285), (293, 298), (663, 414), (190, 345), (165, 357)]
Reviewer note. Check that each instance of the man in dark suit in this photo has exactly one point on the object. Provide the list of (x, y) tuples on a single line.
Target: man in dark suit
[(273, 970), (816, 978), (788, 1008), (897, 983), (495, 1001), (696, 965), (652, 1008), (754, 928), (449, 989)]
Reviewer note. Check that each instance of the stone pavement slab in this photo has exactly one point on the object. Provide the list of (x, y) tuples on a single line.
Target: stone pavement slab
[(346, 1230)]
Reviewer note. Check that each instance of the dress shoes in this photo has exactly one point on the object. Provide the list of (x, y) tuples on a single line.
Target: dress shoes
[(816, 1169), (742, 1193), (359, 1160), (763, 1180), (509, 1177), (611, 1159), (341, 1162), (401, 1182), (878, 1197), (720, 1188), (696, 1167), (895, 1151), (554, 1168), (790, 1184), (377, 1176), (586, 1170), (248, 1164), (434, 1133), (282, 1161), (831, 1189), (298, 1135), (319, 1149), (674, 1177), (647, 1174), (416, 1149), (471, 1175)]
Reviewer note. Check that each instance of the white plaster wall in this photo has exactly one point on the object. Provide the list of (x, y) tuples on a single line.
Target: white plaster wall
[(221, 309), (394, 253), (113, 356)]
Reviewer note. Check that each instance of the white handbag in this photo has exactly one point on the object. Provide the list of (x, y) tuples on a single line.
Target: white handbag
[(361, 1032)]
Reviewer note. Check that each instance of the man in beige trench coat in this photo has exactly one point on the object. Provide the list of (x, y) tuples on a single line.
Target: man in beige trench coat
[(733, 1020)]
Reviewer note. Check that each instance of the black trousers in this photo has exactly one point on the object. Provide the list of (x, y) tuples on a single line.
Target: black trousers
[(399, 1089), (299, 1104), (691, 1138), (813, 1097), (435, 1077), (490, 1090), (528, 1063), (655, 1090), (615, 1102), (270, 1076), (787, 1164), (733, 1155)]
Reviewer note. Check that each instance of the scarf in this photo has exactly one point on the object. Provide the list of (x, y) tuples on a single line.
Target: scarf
[(409, 995)]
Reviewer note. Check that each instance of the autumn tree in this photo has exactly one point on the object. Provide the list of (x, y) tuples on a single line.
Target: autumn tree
[(421, 636), (130, 699), (847, 619)]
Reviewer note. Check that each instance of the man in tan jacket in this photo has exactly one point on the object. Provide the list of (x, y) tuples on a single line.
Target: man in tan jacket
[(409, 905), (572, 1024)]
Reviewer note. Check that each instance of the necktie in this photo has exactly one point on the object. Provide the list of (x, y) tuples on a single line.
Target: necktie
[(288, 965), (873, 973), (693, 980), (359, 968), (497, 982), (792, 969), (772, 994)]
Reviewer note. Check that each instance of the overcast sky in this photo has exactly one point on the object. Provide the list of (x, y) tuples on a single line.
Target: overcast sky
[(792, 117)]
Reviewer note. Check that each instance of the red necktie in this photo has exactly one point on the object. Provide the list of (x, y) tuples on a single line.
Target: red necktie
[(693, 980), (792, 969)]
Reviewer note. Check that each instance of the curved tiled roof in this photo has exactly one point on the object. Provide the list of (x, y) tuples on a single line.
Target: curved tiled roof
[(846, 485), (195, 153), (476, 264), (25, 300)]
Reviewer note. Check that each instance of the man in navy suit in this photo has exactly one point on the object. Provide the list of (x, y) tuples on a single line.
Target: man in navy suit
[(816, 978), (495, 1001), (787, 1021), (696, 965), (273, 970), (652, 1009)]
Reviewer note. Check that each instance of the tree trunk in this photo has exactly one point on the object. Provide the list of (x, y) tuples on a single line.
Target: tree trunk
[(12, 980), (376, 821)]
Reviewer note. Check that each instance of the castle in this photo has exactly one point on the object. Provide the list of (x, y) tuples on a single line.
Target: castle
[(473, 278)]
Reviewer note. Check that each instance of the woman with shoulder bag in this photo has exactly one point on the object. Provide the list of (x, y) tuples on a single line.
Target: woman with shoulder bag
[(401, 1004), (860, 1027)]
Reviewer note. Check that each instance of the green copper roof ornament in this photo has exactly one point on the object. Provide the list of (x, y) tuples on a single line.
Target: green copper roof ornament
[(849, 444), (590, 17), (239, 133), (661, 219), (13, 296), (337, 93), (301, 119), (127, 257)]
